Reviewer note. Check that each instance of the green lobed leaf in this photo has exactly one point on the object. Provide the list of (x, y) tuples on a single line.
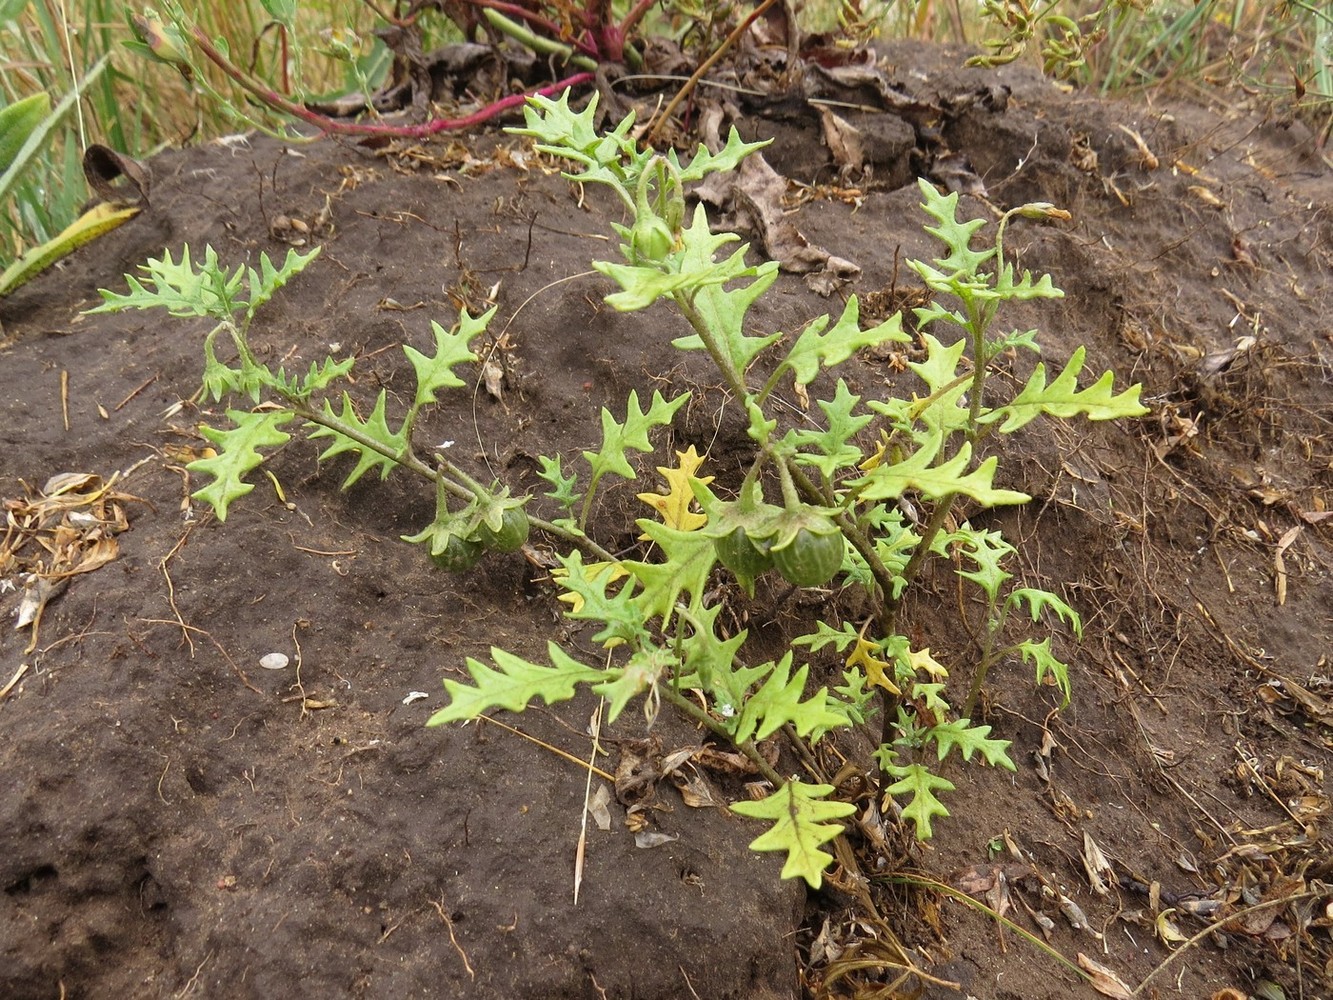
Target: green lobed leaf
[(622, 616), (1039, 600), (564, 488), (962, 260), (451, 348), (238, 453), (799, 812), (633, 433), (375, 426), (833, 449), (689, 556), (937, 481), (970, 739), (514, 682), (1062, 398), (825, 635), (918, 782), (727, 158), (321, 376), (986, 550), (815, 349), (778, 702), (179, 287), (611, 159), (1047, 664), (723, 309), (268, 279), (714, 664)]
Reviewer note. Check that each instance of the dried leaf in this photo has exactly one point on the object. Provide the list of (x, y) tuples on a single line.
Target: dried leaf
[(1279, 562), (1167, 931), (597, 807), (694, 790), (38, 591), (1146, 158), (651, 838), (1074, 914), (956, 174), (1095, 864), (1103, 980), (493, 376), (843, 140)]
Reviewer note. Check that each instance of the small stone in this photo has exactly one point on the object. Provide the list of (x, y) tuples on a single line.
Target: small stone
[(274, 661)]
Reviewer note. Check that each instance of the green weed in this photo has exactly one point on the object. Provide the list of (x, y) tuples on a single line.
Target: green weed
[(839, 523)]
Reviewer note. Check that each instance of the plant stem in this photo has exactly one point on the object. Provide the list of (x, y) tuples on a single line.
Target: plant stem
[(272, 99), (703, 718), (537, 43), (411, 462), (938, 517), (735, 379)]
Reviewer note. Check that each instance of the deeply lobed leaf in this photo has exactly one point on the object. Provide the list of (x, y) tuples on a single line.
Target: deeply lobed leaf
[(514, 682), (238, 453), (799, 812)]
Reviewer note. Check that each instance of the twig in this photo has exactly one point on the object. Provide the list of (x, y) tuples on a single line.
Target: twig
[(171, 588), (555, 750), (23, 669), (449, 924), (596, 726), (704, 67)]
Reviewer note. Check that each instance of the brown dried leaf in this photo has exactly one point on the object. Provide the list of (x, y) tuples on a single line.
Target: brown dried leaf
[(844, 142), (1096, 865), (1103, 980), (694, 790), (1279, 562), (493, 376), (956, 174)]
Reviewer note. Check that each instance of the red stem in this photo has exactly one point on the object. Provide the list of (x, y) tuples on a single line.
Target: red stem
[(274, 100), (635, 15)]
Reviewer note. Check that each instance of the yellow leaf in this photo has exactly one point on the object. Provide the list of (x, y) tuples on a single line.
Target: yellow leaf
[(674, 508), (861, 656), (922, 660), (877, 459), (590, 571)]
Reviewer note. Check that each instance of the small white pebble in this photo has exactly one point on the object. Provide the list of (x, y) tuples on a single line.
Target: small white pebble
[(274, 661)]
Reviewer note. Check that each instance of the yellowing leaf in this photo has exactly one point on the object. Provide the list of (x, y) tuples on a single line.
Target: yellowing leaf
[(922, 660), (878, 672), (674, 506), (591, 571)]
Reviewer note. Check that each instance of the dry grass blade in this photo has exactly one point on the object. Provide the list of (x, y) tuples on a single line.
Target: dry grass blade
[(595, 727)]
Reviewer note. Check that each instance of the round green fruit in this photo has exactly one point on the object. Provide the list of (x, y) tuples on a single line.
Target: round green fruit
[(512, 534), (459, 554), (742, 556), (811, 559)]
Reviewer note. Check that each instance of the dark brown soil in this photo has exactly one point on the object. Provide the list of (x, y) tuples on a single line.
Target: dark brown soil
[(178, 821)]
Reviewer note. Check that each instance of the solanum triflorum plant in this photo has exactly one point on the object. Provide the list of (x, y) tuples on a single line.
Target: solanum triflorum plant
[(835, 519), (471, 518), (839, 520)]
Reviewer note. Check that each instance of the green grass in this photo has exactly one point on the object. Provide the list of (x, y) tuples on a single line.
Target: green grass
[(136, 106)]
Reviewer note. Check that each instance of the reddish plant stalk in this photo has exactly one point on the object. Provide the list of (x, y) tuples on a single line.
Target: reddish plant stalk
[(273, 99)]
